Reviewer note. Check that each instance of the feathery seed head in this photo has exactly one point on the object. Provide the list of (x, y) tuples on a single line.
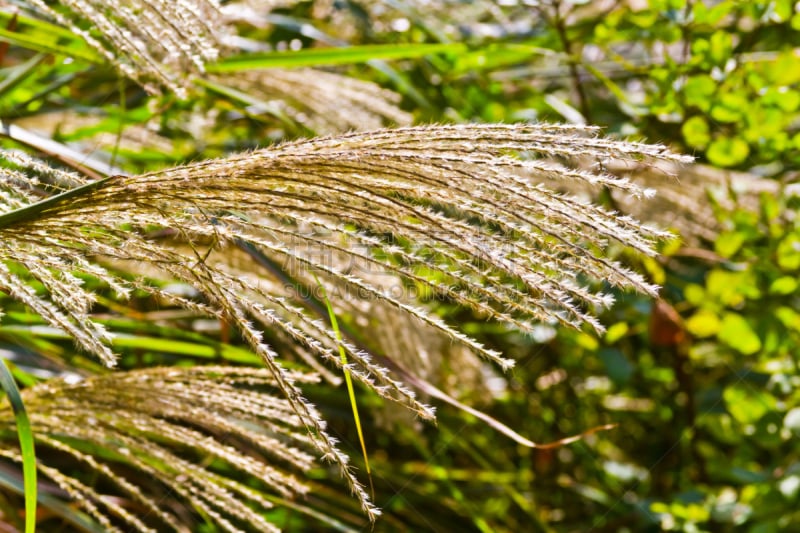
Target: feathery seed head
[(179, 418), (157, 43), (448, 208)]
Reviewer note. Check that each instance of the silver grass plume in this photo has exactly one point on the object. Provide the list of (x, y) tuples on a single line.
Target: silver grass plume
[(325, 102), (687, 203), (157, 43), (160, 427), (165, 44), (456, 201)]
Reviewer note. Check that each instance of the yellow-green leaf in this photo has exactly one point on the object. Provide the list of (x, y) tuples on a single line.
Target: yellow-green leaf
[(703, 323), (747, 404), (728, 244), (696, 132), (736, 332), (783, 285), (616, 332)]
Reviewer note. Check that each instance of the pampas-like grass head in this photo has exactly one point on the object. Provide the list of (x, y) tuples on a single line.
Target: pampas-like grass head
[(451, 208), (157, 43)]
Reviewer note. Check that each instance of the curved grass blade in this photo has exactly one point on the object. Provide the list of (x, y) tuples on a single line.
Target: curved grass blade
[(310, 57), (25, 444), (30, 212), (348, 380), (41, 44), (20, 73), (197, 347), (42, 28)]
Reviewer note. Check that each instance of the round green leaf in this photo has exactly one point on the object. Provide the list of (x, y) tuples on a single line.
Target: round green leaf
[(788, 100), (728, 152), (789, 253), (783, 285), (724, 113), (731, 288), (696, 132), (695, 294), (788, 317), (698, 92), (616, 332), (720, 47)]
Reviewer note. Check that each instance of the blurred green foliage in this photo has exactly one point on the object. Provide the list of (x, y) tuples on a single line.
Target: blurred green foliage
[(704, 384)]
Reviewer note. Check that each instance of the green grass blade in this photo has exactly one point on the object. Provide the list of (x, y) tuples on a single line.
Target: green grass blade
[(33, 25), (189, 349), (31, 212), (497, 55), (333, 56), (44, 46), (45, 37), (25, 444), (305, 29), (200, 348), (347, 379), (20, 73)]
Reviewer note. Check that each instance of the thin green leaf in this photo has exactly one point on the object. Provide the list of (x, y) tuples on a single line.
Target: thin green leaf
[(46, 44), (31, 212), (20, 73), (157, 344), (201, 350), (25, 444), (332, 56), (42, 27), (495, 56), (348, 380)]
